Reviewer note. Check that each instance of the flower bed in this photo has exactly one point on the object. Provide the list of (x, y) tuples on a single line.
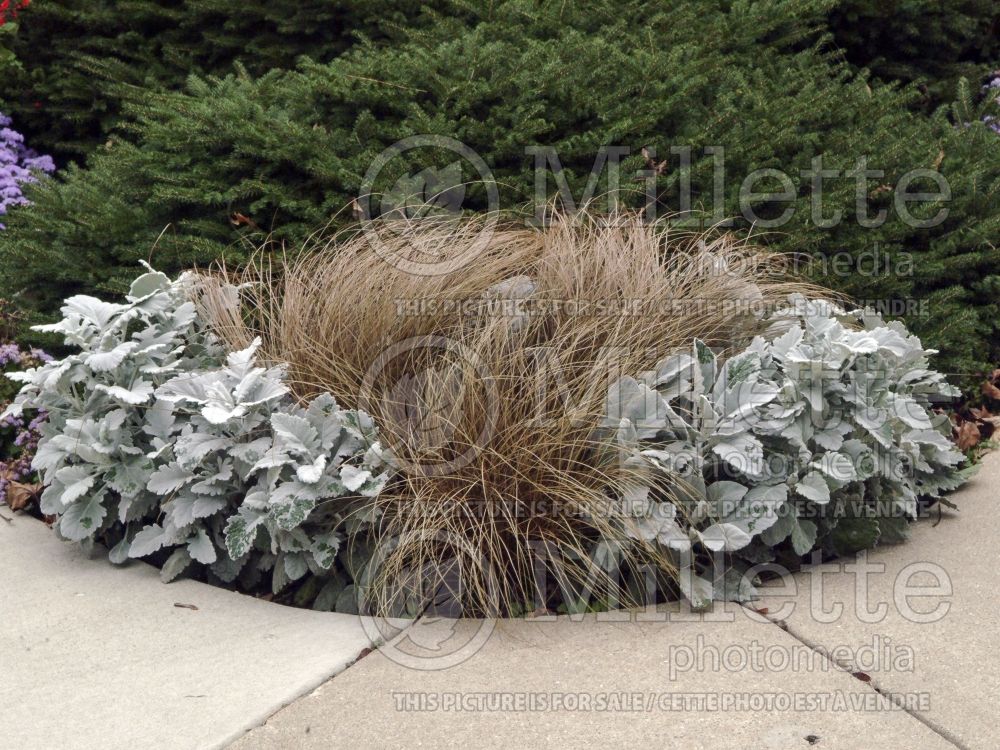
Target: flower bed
[(806, 428)]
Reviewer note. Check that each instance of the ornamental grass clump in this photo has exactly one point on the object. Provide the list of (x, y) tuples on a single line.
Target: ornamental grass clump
[(488, 383)]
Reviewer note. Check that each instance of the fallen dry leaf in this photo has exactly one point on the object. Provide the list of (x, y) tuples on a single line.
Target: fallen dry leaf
[(238, 219), (968, 435), (990, 390), (20, 495), (538, 612)]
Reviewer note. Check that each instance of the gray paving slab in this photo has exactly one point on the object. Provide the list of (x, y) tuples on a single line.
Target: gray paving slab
[(91, 654), (594, 683), (942, 641), (95, 656)]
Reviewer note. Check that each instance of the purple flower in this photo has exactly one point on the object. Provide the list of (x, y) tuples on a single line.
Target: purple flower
[(18, 165), (18, 436), (993, 89), (9, 354)]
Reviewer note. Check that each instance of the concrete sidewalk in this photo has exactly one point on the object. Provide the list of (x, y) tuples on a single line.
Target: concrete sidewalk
[(591, 684), (933, 600), (96, 656), (940, 675), (92, 655)]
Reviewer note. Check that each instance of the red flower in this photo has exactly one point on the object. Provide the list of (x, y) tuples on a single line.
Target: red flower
[(9, 14)]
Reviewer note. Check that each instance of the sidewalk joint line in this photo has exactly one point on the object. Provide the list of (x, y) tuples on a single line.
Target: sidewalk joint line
[(312, 688), (942, 732)]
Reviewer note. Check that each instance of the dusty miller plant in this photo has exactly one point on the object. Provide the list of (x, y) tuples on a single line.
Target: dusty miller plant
[(820, 435), (160, 443)]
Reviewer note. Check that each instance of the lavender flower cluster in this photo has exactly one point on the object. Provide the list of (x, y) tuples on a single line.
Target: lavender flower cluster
[(13, 358), (12, 354), (18, 165), (993, 89), (17, 468), (18, 434)]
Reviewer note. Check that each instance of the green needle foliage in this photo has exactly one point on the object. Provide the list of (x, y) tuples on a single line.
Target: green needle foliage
[(81, 61), (930, 42)]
